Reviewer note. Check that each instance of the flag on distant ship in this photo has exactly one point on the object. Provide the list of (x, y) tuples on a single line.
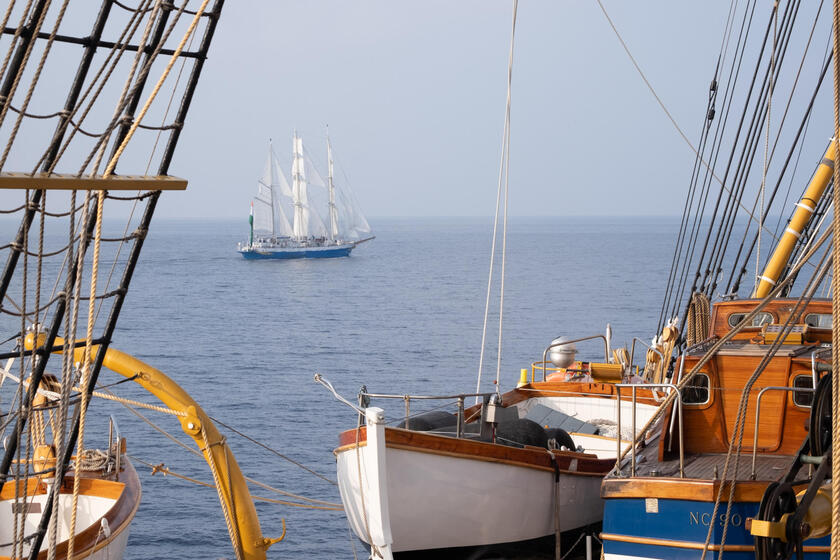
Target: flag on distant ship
[(251, 222)]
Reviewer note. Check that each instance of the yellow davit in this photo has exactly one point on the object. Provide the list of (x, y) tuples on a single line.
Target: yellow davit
[(232, 487)]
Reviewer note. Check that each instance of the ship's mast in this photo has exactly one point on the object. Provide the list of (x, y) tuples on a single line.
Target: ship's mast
[(272, 165), (297, 180), (332, 209)]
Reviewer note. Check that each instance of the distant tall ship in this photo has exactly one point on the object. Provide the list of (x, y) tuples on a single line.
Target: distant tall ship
[(306, 235)]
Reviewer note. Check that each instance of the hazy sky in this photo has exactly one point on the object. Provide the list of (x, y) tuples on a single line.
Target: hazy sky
[(414, 97)]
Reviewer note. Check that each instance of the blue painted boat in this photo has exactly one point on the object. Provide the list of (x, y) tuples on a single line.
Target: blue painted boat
[(285, 222)]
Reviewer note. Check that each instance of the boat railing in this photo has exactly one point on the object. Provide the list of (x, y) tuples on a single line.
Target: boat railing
[(364, 402), (758, 413), (565, 342), (547, 369), (633, 387), (459, 399)]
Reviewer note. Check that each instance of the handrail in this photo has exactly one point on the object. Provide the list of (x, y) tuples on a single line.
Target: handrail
[(544, 367), (233, 492), (674, 410), (565, 342), (649, 347), (407, 398), (426, 397), (326, 383), (635, 386), (758, 411)]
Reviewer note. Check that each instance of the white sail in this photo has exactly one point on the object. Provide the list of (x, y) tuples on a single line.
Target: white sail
[(263, 216), (301, 221), (307, 221), (333, 211), (273, 200), (350, 223)]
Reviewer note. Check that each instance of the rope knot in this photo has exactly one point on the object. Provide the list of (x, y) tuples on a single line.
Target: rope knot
[(159, 468)]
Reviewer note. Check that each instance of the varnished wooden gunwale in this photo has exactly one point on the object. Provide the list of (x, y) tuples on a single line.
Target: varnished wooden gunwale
[(698, 490), (127, 493), (565, 388), (534, 458)]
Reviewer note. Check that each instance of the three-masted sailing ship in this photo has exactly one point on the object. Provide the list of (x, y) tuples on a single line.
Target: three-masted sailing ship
[(66, 492), (286, 223)]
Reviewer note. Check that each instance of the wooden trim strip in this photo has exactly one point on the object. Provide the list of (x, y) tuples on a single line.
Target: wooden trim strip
[(530, 457), (467, 456), (694, 545), (68, 181), (698, 490), (348, 447)]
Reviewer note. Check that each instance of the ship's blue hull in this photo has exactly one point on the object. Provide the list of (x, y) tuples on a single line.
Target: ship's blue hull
[(298, 252), (676, 529)]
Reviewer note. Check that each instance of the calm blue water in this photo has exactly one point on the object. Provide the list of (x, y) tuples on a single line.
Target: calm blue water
[(403, 314)]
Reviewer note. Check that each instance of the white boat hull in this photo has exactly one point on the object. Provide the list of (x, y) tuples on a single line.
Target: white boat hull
[(434, 501), (105, 511)]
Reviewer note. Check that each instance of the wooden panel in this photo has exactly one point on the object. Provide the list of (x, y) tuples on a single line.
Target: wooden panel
[(734, 371), (781, 424), (779, 308), (704, 427)]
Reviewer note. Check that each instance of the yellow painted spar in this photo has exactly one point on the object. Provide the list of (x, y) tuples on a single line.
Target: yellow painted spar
[(234, 489), (804, 211)]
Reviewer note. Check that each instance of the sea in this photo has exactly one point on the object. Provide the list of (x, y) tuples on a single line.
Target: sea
[(402, 315)]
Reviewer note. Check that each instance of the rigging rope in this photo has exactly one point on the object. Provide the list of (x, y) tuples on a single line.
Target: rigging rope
[(668, 113), (233, 530), (506, 155), (718, 344), (35, 78), (766, 141), (835, 306), (505, 145)]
